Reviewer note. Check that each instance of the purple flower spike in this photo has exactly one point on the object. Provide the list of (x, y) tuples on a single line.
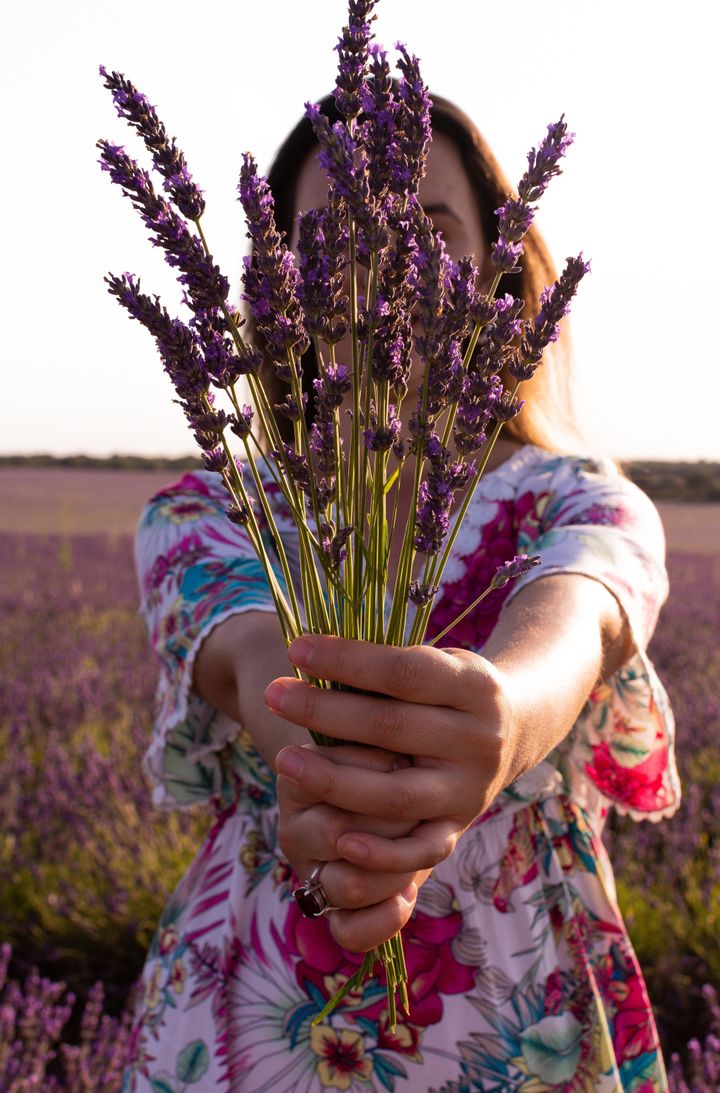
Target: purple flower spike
[(322, 446), (475, 411), (178, 346), (167, 157), (508, 571), (271, 277), (379, 129), (331, 389), (206, 285), (338, 155), (322, 238), (242, 424), (413, 126), (554, 305), (505, 408), (544, 163), (215, 460), (352, 48), (515, 218), (505, 256), (379, 439), (436, 495), (422, 594)]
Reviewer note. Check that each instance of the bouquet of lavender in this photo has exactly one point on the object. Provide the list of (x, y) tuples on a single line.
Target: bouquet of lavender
[(369, 269)]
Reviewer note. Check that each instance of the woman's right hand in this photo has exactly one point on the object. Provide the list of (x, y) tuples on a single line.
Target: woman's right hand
[(371, 906)]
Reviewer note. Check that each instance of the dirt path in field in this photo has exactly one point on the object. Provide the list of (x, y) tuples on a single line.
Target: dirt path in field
[(73, 501)]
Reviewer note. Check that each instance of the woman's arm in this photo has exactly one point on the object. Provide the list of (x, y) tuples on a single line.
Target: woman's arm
[(234, 665), (472, 723)]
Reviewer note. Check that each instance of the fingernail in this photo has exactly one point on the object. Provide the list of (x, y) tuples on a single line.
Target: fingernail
[(275, 696), (290, 763), (409, 894), (301, 652), (351, 846)]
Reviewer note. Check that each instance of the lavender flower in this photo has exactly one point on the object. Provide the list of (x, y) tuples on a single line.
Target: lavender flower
[(177, 345), (322, 239), (506, 407), (544, 163), (352, 48), (241, 424), (555, 304), (297, 465), (333, 543), (378, 133), (290, 409), (223, 360), (215, 459), (505, 256), (422, 594), (322, 445), (208, 425), (206, 286), (494, 344), (392, 351), (271, 277), (167, 157), (436, 496), (516, 215), (331, 389), (345, 162), (508, 571), (412, 133), (461, 296), (475, 411), (381, 438), (438, 342), (237, 514)]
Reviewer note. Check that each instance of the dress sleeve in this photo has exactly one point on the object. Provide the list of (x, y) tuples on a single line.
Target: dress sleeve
[(195, 568), (582, 516)]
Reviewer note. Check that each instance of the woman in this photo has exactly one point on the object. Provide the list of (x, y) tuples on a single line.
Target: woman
[(474, 820)]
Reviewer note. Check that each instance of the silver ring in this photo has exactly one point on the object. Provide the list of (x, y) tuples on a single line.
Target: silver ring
[(311, 897)]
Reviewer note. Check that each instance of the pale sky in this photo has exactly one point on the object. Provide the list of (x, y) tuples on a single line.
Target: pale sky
[(634, 79)]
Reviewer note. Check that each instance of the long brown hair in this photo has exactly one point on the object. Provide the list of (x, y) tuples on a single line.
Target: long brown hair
[(548, 417)]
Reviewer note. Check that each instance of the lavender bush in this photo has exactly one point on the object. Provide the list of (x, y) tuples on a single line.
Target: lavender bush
[(32, 1018), (85, 864)]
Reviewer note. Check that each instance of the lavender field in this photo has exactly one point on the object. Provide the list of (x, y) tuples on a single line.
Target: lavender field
[(86, 866)]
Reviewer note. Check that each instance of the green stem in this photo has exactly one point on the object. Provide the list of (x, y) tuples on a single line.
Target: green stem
[(423, 614)]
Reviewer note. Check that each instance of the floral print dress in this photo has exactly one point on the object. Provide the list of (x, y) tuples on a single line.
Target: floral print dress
[(522, 977)]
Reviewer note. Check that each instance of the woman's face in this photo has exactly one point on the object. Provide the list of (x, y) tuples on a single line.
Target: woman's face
[(445, 194)]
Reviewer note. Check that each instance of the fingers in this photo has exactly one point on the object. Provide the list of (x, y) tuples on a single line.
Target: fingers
[(396, 726), (359, 931), (427, 845), (351, 888), (358, 756), (413, 794), (416, 673)]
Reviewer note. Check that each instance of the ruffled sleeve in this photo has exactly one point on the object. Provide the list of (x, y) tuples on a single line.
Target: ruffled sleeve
[(195, 569), (585, 517)]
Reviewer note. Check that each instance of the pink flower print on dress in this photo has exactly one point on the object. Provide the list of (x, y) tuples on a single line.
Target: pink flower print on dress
[(639, 787)]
